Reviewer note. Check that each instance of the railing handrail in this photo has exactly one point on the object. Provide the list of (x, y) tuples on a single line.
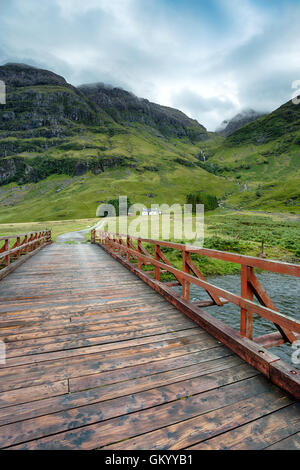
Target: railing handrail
[(286, 325), (280, 267), (10, 237), (10, 257), (18, 248)]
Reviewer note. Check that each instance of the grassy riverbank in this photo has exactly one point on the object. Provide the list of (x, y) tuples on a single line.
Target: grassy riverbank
[(242, 232)]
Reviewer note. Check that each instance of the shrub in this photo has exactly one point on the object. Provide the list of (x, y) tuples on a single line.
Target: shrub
[(210, 202), (115, 203)]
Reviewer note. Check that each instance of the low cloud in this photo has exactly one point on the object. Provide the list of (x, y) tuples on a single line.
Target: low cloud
[(204, 109)]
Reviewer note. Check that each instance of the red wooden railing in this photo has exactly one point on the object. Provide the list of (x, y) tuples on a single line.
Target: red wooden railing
[(25, 245), (130, 247)]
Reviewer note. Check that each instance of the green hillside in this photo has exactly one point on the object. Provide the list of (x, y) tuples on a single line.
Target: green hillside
[(263, 158), (64, 150), (61, 153), (156, 178)]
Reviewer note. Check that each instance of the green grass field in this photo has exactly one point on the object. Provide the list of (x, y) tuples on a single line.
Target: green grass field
[(56, 226), (240, 232)]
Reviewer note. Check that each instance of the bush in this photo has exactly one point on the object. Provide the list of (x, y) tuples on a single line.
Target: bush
[(210, 202), (223, 244), (115, 203)]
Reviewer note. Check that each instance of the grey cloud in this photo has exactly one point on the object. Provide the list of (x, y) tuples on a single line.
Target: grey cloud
[(147, 48), (201, 108)]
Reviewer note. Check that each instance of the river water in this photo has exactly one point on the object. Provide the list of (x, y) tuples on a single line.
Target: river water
[(283, 290)]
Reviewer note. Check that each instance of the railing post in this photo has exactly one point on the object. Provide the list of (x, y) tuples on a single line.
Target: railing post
[(113, 243), (93, 236), (157, 268), (18, 244), (7, 257), (36, 238), (246, 293), (128, 246), (49, 236), (28, 240), (185, 268), (139, 249), (25, 241), (118, 240)]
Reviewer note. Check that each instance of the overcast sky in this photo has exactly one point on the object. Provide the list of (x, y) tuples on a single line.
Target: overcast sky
[(209, 58)]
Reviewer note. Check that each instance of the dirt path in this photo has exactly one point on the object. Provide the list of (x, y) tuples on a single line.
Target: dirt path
[(79, 235)]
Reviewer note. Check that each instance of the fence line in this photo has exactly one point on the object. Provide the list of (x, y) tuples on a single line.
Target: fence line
[(25, 246)]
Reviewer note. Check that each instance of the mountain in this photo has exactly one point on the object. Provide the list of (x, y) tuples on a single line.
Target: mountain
[(282, 122), (228, 127), (65, 149), (125, 107), (263, 158)]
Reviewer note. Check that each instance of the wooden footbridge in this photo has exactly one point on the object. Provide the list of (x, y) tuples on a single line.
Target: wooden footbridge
[(95, 358)]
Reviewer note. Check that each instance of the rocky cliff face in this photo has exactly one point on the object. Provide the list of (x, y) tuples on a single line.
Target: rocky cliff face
[(125, 107), (40, 103), (228, 127), (44, 118), (22, 75)]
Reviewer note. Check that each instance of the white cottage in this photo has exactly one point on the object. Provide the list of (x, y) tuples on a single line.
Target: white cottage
[(152, 211)]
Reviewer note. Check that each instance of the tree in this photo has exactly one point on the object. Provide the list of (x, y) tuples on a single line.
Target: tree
[(200, 197), (115, 203)]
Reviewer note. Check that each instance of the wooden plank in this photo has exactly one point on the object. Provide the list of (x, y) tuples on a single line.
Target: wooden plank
[(10, 237), (17, 332), (264, 299), (286, 377), (270, 340), (246, 292), (215, 298), (29, 394), (259, 434), (269, 265), (17, 329), (188, 433), (105, 377), (116, 398), (209, 369), (73, 338), (290, 443), (35, 374), (154, 342), (120, 420)]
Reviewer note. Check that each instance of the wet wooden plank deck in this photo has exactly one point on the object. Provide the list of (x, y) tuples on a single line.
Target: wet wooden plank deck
[(97, 360)]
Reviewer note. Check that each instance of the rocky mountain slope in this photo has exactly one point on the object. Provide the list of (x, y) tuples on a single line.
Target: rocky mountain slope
[(263, 157), (124, 107), (64, 149), (45, 119), (229, 126)]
